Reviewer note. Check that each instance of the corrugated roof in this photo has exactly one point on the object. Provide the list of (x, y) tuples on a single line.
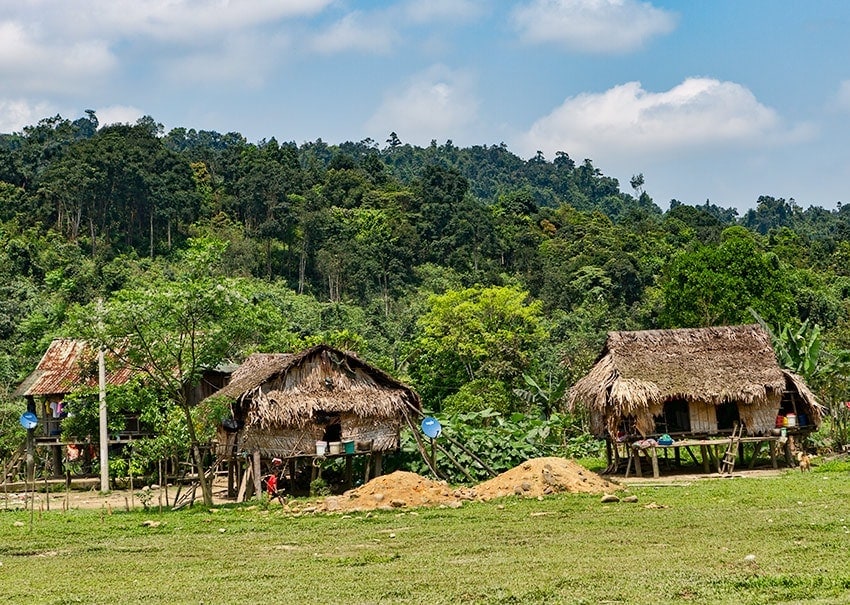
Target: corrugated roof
[(67, 365)]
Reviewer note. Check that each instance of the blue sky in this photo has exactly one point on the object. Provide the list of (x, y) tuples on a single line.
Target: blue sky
[(722, 100)]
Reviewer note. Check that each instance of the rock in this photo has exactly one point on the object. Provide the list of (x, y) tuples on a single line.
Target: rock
[(631, 498), (750, 559), (526, 486), (378, 497), (398, 503), (518, 490), (609, 498), (150, 523)]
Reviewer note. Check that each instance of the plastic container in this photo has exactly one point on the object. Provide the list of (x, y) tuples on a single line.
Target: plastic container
[(335, 447), (780, 421), (321, 448), (792, 418), (802, 420), (348, 446)]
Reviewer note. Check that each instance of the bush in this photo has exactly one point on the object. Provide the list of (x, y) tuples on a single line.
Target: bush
[(502, 442)]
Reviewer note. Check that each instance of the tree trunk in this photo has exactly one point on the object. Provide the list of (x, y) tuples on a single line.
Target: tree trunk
[(206, 489)]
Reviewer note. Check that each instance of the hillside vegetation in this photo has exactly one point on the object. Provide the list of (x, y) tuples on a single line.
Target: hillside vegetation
[(486, 281)]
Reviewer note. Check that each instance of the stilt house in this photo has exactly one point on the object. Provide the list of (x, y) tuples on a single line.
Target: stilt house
[(283, 404), (691, 382)]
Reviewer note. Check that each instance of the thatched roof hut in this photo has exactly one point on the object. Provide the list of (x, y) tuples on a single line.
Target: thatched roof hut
[(691, 381), (282, 404), (66, 366)]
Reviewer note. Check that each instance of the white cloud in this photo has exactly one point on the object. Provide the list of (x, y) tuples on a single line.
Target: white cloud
[(17, 113), (437, 104), (453, 11), (70, 46), (118, 114), (627, 120), (594, 26), (177, 20), (356, 31), (37, 64), (842, 99)]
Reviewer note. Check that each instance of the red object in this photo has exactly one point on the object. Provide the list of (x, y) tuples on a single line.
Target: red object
[(271, 485), (780, 421)]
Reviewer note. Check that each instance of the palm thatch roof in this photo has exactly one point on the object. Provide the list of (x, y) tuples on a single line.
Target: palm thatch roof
[(639, 370), (283, 390)]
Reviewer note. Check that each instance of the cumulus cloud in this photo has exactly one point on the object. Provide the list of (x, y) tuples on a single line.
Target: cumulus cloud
[(118, 114), (593, 26), (842, 99), (356, 31), (417, 11), (436, 104), (17, 113), (42, 64), (696, 114), (178, 20)]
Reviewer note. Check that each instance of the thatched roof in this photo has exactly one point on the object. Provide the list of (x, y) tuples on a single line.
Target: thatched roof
[(714, 365), (67, 365), (286, 390)]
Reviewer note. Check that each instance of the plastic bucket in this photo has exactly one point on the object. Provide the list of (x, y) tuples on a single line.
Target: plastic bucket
[(348, 446), (321, 448), (802, 420), (792, 419), (335, 447)]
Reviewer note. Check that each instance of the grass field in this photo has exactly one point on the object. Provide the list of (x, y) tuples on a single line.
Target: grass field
[(692, 546)]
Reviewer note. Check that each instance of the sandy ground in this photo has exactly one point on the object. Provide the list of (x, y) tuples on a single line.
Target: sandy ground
[(535, 478)]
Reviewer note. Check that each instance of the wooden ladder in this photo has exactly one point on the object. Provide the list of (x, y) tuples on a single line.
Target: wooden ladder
[(727, 465)]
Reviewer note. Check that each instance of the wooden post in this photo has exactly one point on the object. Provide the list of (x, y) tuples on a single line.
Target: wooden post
[(772, 445), (636, 454), (703, 450), (789, 460), (348, 471), (56, 451), (258, 478), (379, 467), (654, 454)]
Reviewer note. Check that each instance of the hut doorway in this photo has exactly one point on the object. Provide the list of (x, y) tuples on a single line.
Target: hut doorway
[(727, 416), (332, 425), (677, 416)]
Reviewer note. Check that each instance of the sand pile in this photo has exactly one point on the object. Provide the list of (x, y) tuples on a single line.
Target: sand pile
[(537, 477), (544, 476)]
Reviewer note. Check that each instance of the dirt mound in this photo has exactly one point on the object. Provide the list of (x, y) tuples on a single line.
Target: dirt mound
[(543, 476), (537, 477), (397, 490)]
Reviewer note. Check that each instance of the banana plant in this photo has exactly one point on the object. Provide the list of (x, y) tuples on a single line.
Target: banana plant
[(546, 399)]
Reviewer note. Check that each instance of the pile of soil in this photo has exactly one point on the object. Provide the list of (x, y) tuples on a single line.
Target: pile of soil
[(533, 478), (544, 476)]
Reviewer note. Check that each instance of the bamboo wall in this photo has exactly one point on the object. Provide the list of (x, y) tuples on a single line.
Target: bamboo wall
[(285, 442)]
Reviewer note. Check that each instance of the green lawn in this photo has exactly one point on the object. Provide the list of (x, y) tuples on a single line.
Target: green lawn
[(691, 548)]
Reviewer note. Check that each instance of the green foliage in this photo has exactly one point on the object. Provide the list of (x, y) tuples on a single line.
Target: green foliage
[(716, 285), (319, 487), (502, 441), (477, 333)]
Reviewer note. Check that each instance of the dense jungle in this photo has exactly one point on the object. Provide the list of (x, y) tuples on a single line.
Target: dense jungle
[(486, 281)]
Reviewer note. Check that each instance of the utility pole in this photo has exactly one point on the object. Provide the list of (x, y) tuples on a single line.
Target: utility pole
[(104, 430)]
